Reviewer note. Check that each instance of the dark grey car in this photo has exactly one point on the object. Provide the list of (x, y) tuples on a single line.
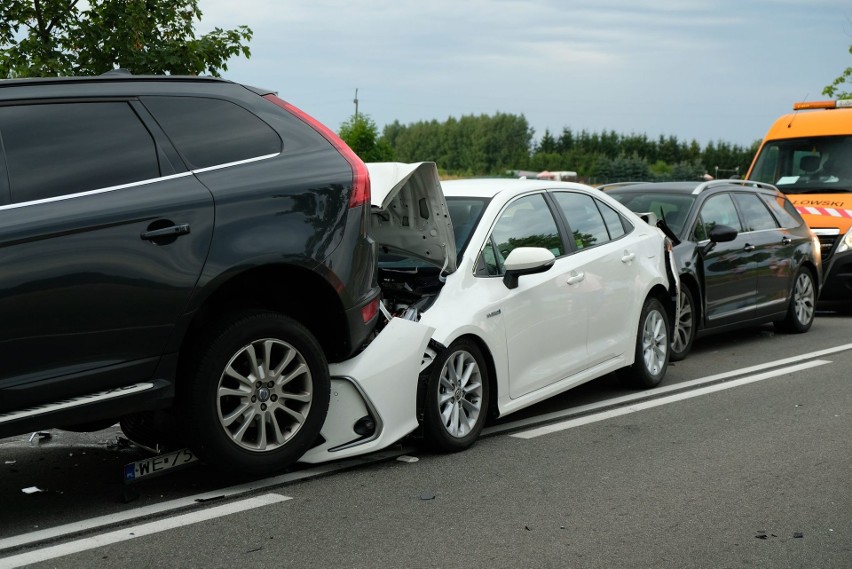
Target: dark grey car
[(745, 255), (183, 254)]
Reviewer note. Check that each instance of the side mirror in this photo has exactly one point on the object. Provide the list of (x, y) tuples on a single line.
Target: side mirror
[(722, 233), (526, 261), (719, 234)]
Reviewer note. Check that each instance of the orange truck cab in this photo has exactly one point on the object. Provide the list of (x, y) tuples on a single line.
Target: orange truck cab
[(808, 156)]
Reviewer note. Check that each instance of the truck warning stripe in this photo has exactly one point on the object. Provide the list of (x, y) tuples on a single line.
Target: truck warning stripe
[(829, 211)]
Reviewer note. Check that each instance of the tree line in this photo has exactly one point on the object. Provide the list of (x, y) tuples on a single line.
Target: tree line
[(499, 144)]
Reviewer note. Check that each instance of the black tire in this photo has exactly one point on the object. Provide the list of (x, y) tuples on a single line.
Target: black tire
[(252, 420), (652, 347), (686, 326), (456, 407), (802, 307)]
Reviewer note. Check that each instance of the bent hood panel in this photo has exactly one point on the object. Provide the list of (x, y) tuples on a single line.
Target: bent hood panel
[(409, 213)]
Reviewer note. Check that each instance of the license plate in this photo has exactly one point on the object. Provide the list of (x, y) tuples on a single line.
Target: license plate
[(158, 464)]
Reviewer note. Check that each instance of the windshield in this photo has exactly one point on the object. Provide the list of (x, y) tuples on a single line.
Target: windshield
[(673, 207), (464, 213), (806, 165)]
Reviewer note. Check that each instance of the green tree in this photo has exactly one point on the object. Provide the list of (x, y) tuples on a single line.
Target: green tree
[(70, 37), (844, 79), (362, 136)]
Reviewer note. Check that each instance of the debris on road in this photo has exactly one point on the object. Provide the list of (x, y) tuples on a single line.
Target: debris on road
[(39, 436), (31, 490), (408, 459), (427, 496)]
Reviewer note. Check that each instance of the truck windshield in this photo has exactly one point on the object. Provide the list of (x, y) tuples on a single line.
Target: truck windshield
[(806, 165)]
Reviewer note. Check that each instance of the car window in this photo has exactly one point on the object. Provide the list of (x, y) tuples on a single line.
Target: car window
[(717, 210), (673, 208), (755, 214), (465, 214), (209, 132), (66, 148), (616, 224), (784, 211), (526, 222), (584, 218)]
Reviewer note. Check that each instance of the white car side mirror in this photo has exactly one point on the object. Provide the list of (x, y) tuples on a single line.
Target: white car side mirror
[(526, 261)]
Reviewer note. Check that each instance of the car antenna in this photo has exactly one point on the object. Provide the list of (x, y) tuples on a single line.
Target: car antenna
[(796, 112)]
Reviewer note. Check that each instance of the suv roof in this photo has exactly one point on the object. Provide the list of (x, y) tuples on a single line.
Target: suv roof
[(117, 83)]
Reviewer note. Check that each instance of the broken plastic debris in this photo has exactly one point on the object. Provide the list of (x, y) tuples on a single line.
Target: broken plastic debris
[(408, 459), (39, 436), (798, 535), (11, 461), (427, 496), (31, 490)]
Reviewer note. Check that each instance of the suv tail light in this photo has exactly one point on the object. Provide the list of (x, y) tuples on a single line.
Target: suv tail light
[(360, 176)]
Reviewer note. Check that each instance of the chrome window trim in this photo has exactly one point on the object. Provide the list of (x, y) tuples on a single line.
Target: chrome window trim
[(237, 163), (93, 192), (135, 184)]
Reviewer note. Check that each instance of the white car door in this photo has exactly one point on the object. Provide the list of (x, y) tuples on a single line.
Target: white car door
[(607, 250), (545, 319)]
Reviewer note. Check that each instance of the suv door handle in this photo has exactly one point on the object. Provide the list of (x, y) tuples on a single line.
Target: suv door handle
[(172, 231), (748, 248), (786, 240)]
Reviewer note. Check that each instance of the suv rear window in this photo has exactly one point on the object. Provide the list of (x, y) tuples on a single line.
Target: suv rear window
[(65, 148), (210, 132)]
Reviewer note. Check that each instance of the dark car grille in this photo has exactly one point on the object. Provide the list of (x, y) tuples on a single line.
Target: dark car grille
[(827, 245)]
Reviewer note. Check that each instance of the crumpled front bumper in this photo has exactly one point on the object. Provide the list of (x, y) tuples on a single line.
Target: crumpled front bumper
[(374, 395)]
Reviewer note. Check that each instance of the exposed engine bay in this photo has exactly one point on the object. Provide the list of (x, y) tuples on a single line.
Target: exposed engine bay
[(409, 292)]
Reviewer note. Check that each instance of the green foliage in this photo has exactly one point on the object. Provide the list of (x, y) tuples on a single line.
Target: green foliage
[(485, 145), (61, 38), (471, 145), (362, 136), (833, 90)]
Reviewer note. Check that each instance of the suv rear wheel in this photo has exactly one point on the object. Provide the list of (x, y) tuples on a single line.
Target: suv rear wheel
[(258, 394)]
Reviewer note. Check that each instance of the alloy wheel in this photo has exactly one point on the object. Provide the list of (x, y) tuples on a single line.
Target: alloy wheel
[(264, 395), (654, 342), (460, 394), (804, 298), (683, 330)]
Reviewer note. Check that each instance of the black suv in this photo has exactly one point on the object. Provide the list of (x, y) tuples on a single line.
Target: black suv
[(745, 255), (182, 254)]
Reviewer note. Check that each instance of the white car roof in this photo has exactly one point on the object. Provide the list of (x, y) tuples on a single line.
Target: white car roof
[(490, 187)]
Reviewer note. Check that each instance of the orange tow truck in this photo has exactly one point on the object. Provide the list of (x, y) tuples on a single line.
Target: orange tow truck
[(808, 155)]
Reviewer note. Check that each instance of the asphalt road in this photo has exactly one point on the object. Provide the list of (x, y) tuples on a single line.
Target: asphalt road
[(741, 459)]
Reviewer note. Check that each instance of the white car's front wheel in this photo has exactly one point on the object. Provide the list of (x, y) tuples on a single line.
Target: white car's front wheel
[(457, 392)]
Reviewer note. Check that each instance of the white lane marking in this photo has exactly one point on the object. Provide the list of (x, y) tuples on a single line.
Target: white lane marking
[(134, 532), (570, 424), (190, 501), (650, 393)]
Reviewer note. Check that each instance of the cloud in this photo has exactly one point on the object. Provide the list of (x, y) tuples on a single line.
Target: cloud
[(699, 69)]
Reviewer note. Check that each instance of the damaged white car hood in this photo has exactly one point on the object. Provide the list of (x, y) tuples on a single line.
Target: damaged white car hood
[(409, 213)]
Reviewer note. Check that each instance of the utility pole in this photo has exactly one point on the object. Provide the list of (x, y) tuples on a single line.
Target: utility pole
[(356, 103)]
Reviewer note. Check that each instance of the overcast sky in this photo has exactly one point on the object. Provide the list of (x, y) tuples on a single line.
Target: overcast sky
[(696, 69)]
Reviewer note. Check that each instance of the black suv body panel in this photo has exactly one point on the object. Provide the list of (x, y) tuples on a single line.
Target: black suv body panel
[(108, 272)]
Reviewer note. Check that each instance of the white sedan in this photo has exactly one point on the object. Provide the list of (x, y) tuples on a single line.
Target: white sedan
[(523, 289)]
